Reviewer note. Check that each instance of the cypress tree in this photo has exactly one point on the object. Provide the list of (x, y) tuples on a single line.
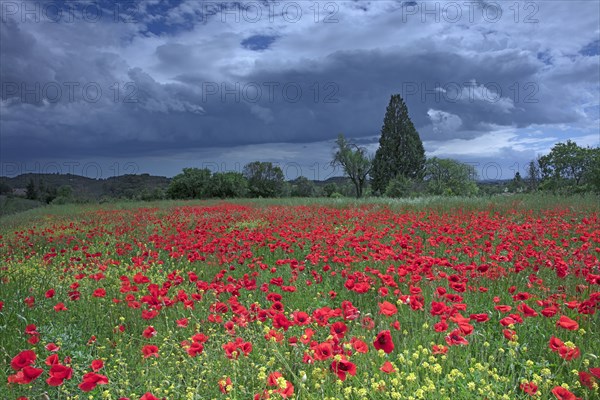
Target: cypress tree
[(400, 151)]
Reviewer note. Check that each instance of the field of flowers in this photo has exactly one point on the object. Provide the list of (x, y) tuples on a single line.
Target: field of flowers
[(259, 301)]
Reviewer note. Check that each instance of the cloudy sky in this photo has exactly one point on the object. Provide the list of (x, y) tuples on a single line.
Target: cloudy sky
[(99, 89)]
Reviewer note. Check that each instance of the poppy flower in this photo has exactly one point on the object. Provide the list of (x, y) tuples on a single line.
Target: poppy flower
[(150, 351), (225, 385), (568, 353), (149, 332), (90, 380), (194, 349), (182, 323), (586, 379), (342, 368), (387, 367), (455, 338), (149, 396), (323, 351), (58, 373), (338, 330), (529, 387), (563, 394), (51, 347), (359, 346), (388, 309), (97, 365), (567, 323), (26, 375), (384, 342), (555, 344), (23, 359), (52, 359)]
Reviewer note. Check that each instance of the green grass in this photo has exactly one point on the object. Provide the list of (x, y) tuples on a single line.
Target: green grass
[(489, 366)]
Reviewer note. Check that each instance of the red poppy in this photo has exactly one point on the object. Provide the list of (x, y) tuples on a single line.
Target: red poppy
[(223, 384), (388, 309), (530, 388), (26, 375), (182, 323), (384, 342), (323, 351), (387, 367), (555, 344), (563, 394), (149, 396), (569, 354), (52, 359), (586, 379), (90, 380), (439, 349), (342, 368), (338, 330), (58, 373), (149, 332), (51, 347), (150, 350), (567, 323), (195, 348), (97, 365), (455, 338), (23, 359)]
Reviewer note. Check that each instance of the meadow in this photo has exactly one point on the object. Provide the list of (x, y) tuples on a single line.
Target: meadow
[(430, 298)]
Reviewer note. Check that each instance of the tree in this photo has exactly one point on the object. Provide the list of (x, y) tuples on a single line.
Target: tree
[(533, 176), (400, 149), (400, 186), (31, 193), (5, 188), (303, 187), (330, 189), (192, 183), (354, 161), (228, 184), (264, 179), (517, 185), (444, 176), (569, 167)]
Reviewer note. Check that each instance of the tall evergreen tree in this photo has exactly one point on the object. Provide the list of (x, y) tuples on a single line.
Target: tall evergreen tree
[(400, 151)]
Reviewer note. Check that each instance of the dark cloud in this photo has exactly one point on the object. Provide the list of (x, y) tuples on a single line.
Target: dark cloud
[(174, 82)]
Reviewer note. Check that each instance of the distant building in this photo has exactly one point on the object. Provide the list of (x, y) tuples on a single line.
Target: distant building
[(21, 192)]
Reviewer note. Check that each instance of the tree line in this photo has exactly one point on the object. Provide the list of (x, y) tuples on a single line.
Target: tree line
[(399, 167)]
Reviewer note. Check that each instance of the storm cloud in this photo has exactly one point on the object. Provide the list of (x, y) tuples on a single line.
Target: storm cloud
[(169, 84)]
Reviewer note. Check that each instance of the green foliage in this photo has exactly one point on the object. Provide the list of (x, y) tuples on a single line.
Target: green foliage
[(449, 177), (354, 161), (517, 185), (64, 191), (533, 176), (5, 188), (31, 191), (192, 183), (264, 179), (570, 168), (330, 188), (400, 149), (303, 187), (401, 186), (228, 184), (149, 194)]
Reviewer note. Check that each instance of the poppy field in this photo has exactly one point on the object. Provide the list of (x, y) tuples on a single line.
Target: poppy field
[(315, 301)]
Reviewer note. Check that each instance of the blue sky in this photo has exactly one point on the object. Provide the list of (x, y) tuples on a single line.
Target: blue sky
[(102, 88)]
